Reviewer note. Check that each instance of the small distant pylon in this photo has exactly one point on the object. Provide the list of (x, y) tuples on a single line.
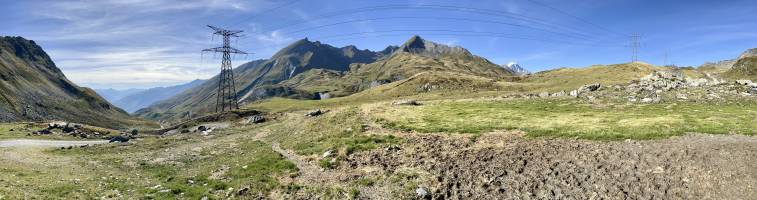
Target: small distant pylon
[(227, 93), (635, 47)]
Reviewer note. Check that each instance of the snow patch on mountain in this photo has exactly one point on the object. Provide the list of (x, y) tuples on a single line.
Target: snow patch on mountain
[(516, 69)]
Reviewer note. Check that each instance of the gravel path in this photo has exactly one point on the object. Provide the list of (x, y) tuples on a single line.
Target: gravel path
[(46, 143)]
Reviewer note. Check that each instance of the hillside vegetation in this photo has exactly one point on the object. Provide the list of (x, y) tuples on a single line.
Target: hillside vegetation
[(32, 88), (744, 68), (312, 70)]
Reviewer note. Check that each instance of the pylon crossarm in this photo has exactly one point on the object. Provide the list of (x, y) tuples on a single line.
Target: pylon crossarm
[(225, 49)]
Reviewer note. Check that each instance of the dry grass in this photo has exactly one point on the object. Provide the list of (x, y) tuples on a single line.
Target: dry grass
[(564, 118)]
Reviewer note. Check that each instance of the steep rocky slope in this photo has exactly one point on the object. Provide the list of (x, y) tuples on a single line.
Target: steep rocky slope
[(745, 67), (257, 79), (33, 88), (424, 64), (313, 70)]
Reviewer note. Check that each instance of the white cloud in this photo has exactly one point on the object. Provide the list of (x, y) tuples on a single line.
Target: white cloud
[(135, 43)]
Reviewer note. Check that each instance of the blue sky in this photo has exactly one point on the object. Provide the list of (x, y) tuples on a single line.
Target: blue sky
[(147, 43)]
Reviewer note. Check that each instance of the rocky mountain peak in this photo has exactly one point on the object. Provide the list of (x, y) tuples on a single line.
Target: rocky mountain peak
[(515, 69), (418, 45), (28, 50), (749, 53), (415, 43)]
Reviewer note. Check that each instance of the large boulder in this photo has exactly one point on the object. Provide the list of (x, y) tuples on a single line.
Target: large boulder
[(744, 82), (408, 102), (589, 88), (314, 113), (120, 139), (256, 119)]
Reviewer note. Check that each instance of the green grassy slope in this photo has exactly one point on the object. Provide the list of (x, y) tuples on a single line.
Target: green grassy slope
[(572, 78), (258, 79), (745, 68), (564, 118)]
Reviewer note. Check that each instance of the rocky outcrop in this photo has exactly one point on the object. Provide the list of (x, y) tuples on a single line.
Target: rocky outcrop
[(69, 129)]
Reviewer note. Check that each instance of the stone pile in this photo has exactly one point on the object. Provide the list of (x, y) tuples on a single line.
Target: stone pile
[(562, 93), (65, 128), (255, 119), (658, 80), (752, 87)]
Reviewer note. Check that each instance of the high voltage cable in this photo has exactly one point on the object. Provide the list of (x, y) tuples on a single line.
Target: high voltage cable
[(459, 32), (489, 12), (576, 17), (434, 18), (569, 32), (369, 34), (265, 12)]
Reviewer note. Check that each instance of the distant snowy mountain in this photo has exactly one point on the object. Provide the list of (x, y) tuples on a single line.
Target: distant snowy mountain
[(515, 68)]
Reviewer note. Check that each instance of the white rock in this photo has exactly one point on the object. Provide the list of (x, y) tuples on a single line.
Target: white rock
[(743, 82), (328, 153), (421, 192)]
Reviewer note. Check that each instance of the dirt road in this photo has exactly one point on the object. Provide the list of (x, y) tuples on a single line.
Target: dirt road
[(503, 166), (46, 143)]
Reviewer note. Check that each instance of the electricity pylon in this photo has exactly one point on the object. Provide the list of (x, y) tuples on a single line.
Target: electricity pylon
[(635, 47), (227, 93)]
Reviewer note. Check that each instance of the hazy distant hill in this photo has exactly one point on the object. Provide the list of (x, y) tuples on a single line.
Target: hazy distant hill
[(307, 69), (113, 95), (144, 98), (33, 88)]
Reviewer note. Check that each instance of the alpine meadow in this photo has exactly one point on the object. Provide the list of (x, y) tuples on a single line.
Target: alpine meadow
[(338, 99)]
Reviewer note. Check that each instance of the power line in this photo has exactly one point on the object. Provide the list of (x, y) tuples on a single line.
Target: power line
[(227, 93), (438, 32), (264, 12), (488, 12), (436, 18), (576, 17)]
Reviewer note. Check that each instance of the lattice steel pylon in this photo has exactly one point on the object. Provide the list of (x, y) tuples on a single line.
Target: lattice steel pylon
[(635, 47), (227, 93)]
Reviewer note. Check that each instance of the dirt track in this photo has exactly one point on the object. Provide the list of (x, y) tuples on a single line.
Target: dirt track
[(46, 143), (507, 166)]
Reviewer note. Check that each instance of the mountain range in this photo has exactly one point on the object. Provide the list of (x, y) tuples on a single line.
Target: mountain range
[(32, 88), (132, 100), (313, 70), (113, 95)]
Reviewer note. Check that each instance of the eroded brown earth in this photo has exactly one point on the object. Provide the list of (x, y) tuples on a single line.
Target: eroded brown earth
[(508, 166)]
